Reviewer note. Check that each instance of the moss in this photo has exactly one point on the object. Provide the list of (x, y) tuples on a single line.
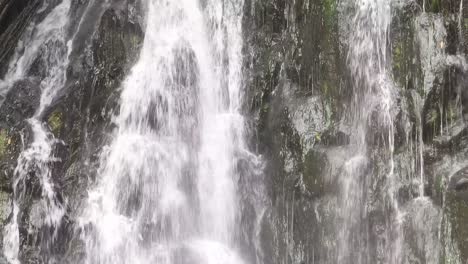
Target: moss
[(318, 136), (397, 58), (4, 141), (325, 88), (135, 40), (55, 122), (435, 6), (329, 11)]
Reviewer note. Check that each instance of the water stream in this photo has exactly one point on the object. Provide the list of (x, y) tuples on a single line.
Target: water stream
[(371, 119), (166, 190)]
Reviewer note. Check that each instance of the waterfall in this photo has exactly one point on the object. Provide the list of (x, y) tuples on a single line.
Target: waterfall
[(125, 129), (371, 120), (47, 42), (166, 190)]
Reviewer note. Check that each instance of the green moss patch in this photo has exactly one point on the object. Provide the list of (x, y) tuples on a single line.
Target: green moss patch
[(55, 122), (3, 142)]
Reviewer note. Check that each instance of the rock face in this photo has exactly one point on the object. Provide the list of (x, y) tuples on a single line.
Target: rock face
[(14, 18), (300, 93), (79, 118), (298, 98), (20, 103)]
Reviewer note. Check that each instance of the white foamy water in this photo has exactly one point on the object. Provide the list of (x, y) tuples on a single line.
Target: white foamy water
[(166, 190)]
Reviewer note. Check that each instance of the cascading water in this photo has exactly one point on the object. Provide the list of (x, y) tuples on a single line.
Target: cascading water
[(47, 42), (166, 190), (371, 115)]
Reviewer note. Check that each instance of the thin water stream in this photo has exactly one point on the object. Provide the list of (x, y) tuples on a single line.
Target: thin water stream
[(370, 115)]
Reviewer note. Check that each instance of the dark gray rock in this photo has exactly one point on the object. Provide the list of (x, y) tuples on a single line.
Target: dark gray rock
[(464, 89), (20, 103), (15, 16), (107, 45)]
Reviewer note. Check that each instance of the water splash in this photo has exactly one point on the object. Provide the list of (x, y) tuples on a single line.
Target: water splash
[(169, 177)]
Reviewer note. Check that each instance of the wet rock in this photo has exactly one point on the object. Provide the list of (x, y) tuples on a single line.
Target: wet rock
[(4, 206), (12, 143), (73, 184), (54, 120), (454, 138), (459, 184), (21, 103), (320, 170), (406, 62), (335, 136), (15, 16), (310, 119), (315, 166), (464, 88), (82, 117), (9, 10), (436, 6), (457, 213), (3, 142), (5, 211), (79, 118), (408, 8)]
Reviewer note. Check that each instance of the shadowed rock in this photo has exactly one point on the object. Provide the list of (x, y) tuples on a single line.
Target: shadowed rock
[(464, 89), (15, 16), (20, 103), (459, 183)]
